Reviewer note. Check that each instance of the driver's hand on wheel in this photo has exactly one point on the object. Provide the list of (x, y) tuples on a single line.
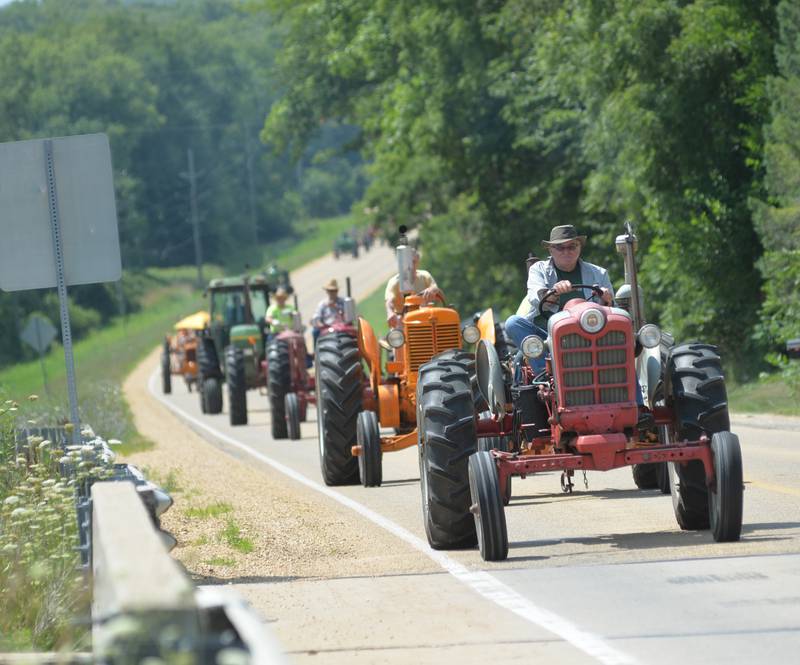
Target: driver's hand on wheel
[(606, 297), (432, 293)]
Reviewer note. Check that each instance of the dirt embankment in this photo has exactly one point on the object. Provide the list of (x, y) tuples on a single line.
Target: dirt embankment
[(225, 506)]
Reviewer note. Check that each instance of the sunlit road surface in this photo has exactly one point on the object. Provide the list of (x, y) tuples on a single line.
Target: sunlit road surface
[(602, 575)]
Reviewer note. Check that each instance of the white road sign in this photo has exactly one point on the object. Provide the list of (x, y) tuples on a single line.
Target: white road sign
[(87, 213)]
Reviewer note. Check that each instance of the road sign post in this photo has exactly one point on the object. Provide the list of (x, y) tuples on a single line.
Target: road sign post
[(58, 221)]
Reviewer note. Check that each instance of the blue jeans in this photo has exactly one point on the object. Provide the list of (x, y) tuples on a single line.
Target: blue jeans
[(518, 328)]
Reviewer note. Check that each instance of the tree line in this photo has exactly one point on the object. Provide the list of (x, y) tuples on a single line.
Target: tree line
[(161, 78), (486, 122)]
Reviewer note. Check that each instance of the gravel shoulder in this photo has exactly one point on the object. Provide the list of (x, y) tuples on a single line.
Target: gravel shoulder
[(293, 533)]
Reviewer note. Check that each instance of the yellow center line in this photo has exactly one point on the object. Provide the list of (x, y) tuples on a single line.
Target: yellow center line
[(771, 487)]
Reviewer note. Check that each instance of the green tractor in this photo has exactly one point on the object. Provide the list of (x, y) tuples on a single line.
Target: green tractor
[(346, 243), (231, 347)]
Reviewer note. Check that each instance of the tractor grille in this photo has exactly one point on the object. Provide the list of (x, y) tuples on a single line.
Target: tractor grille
[(425, 341), (583, 384)]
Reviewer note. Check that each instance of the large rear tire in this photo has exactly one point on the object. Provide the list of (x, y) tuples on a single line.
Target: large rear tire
[(645, 476), (278, 385), (726, 500), (446, 431), (467, 359), (487, 507), (370, 461), (236, 381), (700, 405), (339, 392), (166, 369)]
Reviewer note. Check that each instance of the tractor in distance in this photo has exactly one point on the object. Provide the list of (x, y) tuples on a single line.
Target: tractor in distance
[(356, 398), (179, 352), (345, 243), (231, 346), (580, 413)]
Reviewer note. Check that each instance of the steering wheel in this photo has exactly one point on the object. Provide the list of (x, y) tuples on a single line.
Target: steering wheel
[(596, 291), (438, 296)]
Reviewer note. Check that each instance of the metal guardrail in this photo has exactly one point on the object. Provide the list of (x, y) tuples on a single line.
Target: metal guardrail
[(143, 604)]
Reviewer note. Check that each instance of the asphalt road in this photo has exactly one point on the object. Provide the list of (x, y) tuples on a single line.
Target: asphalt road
[(602, 575)]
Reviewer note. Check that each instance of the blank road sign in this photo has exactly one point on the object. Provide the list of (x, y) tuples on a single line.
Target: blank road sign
[(87, 213), (38, 333)]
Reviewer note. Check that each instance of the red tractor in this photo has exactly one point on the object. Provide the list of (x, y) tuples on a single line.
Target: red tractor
[(580, 413), (289, 385)]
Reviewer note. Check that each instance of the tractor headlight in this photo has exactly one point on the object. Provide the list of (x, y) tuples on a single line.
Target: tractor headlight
[(471, 334), (396, 338), (649, 336), (593, 320), (532, 347)]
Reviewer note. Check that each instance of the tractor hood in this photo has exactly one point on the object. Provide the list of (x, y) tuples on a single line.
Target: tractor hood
[(247, 334)]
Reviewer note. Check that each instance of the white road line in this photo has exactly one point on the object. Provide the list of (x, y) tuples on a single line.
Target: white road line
[(480, 581)]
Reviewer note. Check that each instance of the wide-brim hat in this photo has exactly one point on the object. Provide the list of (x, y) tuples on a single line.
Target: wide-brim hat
[(332, 285), (565, 233), (281, 291)]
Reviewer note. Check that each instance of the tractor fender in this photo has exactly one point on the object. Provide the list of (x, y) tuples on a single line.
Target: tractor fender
[(389, 405), (650, 372), (490, 377), (370, 352), (485, 325)]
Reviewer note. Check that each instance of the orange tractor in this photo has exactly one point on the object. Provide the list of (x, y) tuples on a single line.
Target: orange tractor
[(356, 397), (179, 352)]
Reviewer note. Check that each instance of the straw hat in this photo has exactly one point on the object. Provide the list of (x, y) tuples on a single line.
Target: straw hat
[(332, 285)]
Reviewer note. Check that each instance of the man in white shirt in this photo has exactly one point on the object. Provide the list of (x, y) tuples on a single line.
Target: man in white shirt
[(424, 285)]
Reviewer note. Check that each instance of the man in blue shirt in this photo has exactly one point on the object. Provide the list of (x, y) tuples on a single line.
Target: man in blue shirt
[(563, 269)]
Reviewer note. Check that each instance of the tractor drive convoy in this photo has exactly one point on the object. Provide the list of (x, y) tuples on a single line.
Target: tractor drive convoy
[(600, 389)]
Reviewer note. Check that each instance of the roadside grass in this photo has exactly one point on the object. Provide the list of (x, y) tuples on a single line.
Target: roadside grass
[(216, 509), (169, 482), (232, 535), (770, 394), (43, 597), (312, 238), (221, 561)]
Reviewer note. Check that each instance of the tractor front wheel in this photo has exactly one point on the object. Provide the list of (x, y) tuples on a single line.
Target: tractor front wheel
[(487, 443), (726, 498), (237, 385), (370, 461), (487, 507), (446, 439), (166, 370), (292, 407), (212, 395), (339, 399)]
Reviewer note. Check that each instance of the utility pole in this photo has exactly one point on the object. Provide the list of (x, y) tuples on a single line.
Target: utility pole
[(191, 176), (251, 189)]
